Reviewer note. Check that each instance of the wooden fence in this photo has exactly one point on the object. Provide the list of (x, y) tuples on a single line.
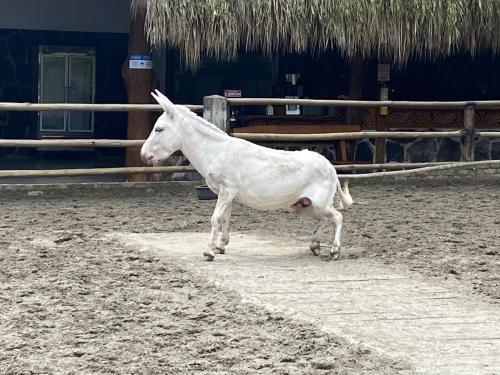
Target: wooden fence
[(468, 133), (216, 109), (37, 107)]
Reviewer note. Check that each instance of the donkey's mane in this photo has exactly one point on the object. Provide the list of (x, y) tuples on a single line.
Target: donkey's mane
[(191, 115)]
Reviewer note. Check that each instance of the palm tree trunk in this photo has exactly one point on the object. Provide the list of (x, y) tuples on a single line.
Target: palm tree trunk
[(138, 83)]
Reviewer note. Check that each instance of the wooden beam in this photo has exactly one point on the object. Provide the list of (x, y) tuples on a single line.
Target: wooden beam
[(347, 135), (248, 136), (297, 129), (388, 166), (421, 170), (490, 104), (489, 134), (36, 107), (92, 171), (468, 153), (381, 126), (177, 169), (356, 80), (70, 143)]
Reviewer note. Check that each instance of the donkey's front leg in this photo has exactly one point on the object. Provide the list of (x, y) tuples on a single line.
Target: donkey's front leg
[(226, 224), (223, 202)]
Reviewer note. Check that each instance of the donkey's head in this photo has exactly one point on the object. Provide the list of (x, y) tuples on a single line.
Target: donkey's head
[(165, 137)]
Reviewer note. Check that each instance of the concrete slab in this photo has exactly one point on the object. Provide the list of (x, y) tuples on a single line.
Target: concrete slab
[(434, 327)]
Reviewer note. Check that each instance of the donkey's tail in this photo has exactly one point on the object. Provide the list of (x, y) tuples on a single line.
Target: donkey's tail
[(345, 197)]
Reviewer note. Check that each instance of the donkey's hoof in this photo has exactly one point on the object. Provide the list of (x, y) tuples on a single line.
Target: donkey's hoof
[(315, 248), (218, 250), (335, 254), (209, 256)]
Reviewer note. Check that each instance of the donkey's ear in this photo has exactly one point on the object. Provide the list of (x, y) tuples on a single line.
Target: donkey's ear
[(166, 104)]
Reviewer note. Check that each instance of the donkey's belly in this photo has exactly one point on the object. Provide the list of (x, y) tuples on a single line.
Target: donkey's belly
[(264, 205), (266, 201)]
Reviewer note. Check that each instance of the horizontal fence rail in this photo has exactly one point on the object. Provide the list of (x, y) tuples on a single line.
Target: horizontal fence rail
[(489, 134), (397, 169), (247, 136), (36, 107), (345, 136), (92, 171), (70, 143), (421, 170), (388, 166), (487, 104)]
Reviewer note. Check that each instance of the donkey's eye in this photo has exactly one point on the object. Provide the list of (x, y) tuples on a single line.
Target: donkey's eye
[(158, 130)]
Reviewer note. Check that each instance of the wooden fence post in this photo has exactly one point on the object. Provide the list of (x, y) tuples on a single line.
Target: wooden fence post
[(381, 125), (468, 138), (215, 110)]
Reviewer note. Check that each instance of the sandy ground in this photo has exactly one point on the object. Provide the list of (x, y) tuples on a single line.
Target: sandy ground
[(74, 301)]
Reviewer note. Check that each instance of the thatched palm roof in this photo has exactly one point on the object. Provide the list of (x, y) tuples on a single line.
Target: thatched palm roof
[(393, 30)]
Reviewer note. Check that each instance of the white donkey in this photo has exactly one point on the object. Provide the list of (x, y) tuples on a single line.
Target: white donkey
[(258, 177)]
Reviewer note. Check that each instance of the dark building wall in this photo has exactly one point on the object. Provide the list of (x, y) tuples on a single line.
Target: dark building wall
[(455, 78), (96, 16), (324, 76), (19, 76), (250, 73)]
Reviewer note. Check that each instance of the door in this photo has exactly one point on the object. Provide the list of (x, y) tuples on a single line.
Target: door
[(53, 90), (67, 75), (80, 90)]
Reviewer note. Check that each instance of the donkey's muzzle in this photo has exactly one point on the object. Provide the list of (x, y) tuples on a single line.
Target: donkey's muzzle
[(147, 157)]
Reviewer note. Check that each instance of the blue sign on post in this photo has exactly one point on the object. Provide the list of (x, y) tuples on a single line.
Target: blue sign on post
[(140, 62)]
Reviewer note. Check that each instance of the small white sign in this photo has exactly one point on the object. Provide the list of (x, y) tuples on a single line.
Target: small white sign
[(232, 93), (384, 93), (292, 109), (140, 62)]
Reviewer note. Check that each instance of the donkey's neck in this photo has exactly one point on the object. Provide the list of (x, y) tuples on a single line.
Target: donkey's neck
[(202, 142)]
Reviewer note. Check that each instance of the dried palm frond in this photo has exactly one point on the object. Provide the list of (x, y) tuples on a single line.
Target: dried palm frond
[(391, 30)]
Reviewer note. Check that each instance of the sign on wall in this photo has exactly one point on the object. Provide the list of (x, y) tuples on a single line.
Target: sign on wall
[(292, 109), (232, 93), (140, 62)]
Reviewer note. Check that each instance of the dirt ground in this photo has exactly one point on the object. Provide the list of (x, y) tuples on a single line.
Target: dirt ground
[(74, 301)]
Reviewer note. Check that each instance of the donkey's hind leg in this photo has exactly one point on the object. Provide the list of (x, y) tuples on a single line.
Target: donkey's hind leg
[(336, 219), (314, 246)]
